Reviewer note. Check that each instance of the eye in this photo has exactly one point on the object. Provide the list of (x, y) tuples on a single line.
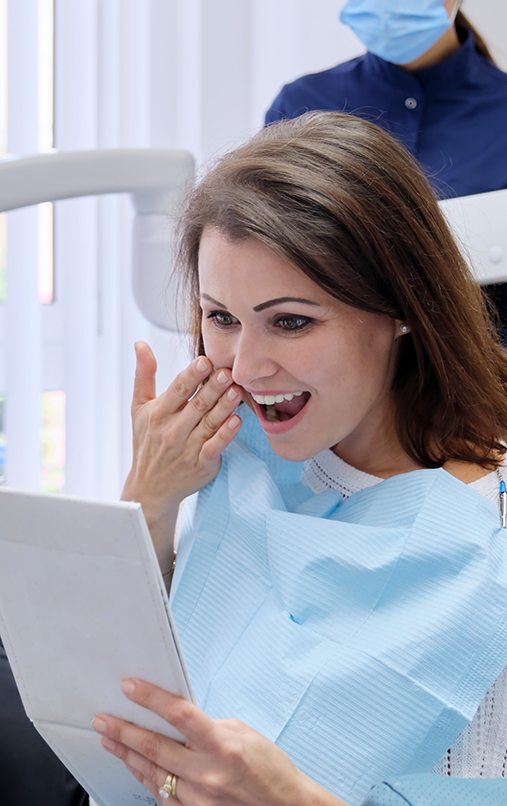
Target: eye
[(293, 324), (222, 319)]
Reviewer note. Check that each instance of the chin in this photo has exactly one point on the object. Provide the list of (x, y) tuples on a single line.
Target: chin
[(292, 453)]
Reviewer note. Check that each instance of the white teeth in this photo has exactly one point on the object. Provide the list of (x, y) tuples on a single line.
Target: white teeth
[(270, 400)]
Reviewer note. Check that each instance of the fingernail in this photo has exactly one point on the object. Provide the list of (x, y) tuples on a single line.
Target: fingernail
[(202, 364), (232, 394), (127, 687), (99, 725), (108, 744), (222, 377), (234, 421)]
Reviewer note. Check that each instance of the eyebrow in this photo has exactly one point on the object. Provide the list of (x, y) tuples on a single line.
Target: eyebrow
[(264, 305), (280, 300)]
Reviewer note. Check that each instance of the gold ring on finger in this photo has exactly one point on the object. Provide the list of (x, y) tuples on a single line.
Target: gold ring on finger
[(169, 788)]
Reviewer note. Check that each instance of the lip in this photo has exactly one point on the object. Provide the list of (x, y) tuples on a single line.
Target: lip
[(278, 428)]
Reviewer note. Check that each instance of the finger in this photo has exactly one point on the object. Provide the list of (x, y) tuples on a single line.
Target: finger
[(146, 771), (186, 384), (217, 410), (146, 368), (215, 446), (147, 783), (212, 404), (148, 774), (199, 401), (193, 723), (160, 750)]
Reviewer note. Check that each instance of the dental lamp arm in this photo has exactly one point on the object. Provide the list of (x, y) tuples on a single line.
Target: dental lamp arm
[(150, 174), (157, 179)]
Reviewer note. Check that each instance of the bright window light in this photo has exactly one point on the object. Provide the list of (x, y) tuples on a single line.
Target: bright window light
[(2, 441), (46, 74), (3, 77), (45, 253), (3, 254), (3, 134), (52, 439), (53, 442), (45, 104)]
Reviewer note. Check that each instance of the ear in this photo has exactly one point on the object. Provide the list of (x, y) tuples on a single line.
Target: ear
[(401, 328)]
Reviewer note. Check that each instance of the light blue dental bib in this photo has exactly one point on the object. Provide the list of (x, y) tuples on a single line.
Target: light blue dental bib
[(358, 635)]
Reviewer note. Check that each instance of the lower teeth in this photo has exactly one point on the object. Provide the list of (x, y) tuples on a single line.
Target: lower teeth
[(275, 416), (271, 414)]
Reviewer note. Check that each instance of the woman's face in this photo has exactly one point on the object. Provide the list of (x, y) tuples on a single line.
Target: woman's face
[(282, 335)]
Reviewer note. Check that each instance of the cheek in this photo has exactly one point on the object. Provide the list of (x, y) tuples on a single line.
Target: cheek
[(362, 358), (217, 349), (375, 357)]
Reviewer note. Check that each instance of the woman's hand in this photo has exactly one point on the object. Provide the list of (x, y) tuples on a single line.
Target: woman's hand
[(224, 763), (178, 440)]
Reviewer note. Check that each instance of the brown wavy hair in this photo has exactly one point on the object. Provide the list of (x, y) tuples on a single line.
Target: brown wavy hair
[(347, 205)]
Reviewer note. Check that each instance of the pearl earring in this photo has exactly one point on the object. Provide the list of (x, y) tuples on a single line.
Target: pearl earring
[(404, 328)]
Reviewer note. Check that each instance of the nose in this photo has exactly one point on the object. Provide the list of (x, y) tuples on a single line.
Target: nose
[(252, 361)]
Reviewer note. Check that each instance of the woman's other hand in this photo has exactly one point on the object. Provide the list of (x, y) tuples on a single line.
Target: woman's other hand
[(178, 439), (224, 762)]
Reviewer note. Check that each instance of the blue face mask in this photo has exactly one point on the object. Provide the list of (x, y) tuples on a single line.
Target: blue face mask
[(398, 31)]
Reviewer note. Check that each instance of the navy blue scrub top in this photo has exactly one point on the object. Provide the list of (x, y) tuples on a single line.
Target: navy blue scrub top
[(452, 116)]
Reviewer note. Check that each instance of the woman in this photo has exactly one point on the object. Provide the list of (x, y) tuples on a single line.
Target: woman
[(341, 584)]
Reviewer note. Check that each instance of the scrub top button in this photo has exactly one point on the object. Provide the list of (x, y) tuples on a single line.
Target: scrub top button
[(410, 103)]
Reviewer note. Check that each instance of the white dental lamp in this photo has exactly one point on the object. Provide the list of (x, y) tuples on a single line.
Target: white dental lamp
[(156, 178)]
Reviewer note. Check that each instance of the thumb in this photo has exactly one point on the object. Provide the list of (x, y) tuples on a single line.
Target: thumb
[(146, 368)]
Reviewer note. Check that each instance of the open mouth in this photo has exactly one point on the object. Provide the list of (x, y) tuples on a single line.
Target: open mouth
[(280, 408)]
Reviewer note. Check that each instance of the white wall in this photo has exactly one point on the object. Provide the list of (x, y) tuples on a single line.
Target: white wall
[(490, 19), (249, 49)]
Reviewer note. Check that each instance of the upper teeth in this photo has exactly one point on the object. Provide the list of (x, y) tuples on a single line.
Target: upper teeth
[(270, 400)]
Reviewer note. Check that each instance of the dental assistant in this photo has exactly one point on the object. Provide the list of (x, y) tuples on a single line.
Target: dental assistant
[(340, 589), (428, 79)]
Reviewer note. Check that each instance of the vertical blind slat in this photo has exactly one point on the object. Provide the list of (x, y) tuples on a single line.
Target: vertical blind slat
[(23, 358), (22, 309), (76, 240)]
